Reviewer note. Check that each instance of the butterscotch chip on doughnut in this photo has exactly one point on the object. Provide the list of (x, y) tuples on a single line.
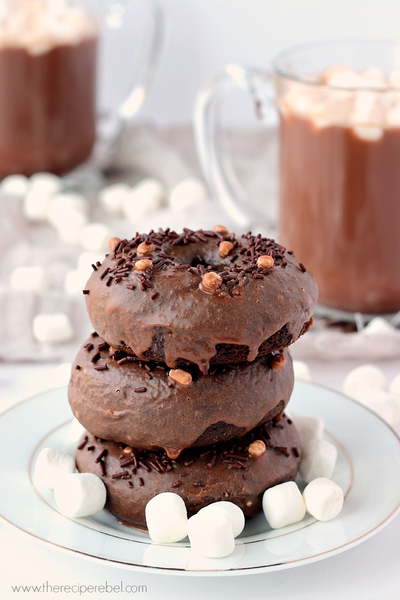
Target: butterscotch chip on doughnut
[(113, 243), (145, 248), (224, 248), (143, 264), (278, 362), (265, 261), (179, 376), (211, 282), (221, 229), (257, 448)]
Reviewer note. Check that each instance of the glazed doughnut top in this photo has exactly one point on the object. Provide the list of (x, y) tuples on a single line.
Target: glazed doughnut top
[(184, 295)]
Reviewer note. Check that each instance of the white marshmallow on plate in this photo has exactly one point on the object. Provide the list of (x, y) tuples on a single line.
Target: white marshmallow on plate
[(79, 494), (76, 430), (308, 428), (364, 377), (323, 499), (46, 183), (318, 459), (283, 505), (301, 370), (30, 278), (230, 510), (143, 199), (36, 206), (70, 227), (113, 196), (50, 463), (52, 328), (394, 388), (189, 192), (382, 403), (211, 534), (166, 518), (15, 185), (95, 236)]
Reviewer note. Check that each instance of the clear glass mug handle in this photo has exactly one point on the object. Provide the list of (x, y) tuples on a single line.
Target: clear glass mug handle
[(117, 106), (216, 165)]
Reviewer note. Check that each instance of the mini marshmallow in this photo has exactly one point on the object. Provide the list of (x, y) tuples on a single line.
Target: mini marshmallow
[(80, 494), (283, 505), (229, 510), (301, 370), (394, 388), (378, 326), (70, 227), (62, 205), (189, 192), (211, 534), (30, 278), (382, 403), (364, 377), (323, 499), (166, 518), (76, 430), (368, 133), (95, 236), (62, 374), (87, 259), (144, 199), (318, 459), (36, 206), (46, 183), (50, 463), (52, 328), (308, 428), (112, 197), (75, 281), (15, 185)]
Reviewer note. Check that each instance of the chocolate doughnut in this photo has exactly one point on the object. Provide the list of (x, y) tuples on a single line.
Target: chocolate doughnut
[(200, 475), (202, 297), (123, 399)]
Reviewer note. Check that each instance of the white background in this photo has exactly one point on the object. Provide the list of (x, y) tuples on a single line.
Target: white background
[(204, 35)]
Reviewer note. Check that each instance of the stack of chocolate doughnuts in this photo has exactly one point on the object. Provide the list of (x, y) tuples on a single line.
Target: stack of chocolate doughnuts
[(184, 382)]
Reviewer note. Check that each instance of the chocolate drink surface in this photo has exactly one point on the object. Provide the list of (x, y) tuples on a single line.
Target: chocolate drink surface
[(47, 107), (340, 212)]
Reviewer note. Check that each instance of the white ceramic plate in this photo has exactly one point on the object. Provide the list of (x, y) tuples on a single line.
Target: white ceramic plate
[(368, 470)]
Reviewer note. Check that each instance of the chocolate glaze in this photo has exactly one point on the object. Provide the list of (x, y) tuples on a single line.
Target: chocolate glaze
[(185, 323), (177, 417), (244, 485)]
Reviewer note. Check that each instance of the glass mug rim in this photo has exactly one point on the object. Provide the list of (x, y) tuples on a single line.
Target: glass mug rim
[(278, 67)]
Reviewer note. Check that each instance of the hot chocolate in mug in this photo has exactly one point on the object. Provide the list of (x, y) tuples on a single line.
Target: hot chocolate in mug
[(54, 100), (339, 205)]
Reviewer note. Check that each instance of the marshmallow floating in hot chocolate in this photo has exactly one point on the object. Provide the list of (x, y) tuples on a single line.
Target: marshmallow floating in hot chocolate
[(323, 499), (166, 518), (80, 494), (283, 505), (51, 463)]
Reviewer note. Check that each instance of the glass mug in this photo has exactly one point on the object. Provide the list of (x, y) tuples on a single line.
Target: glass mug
[(53, 104), (339, 205)]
